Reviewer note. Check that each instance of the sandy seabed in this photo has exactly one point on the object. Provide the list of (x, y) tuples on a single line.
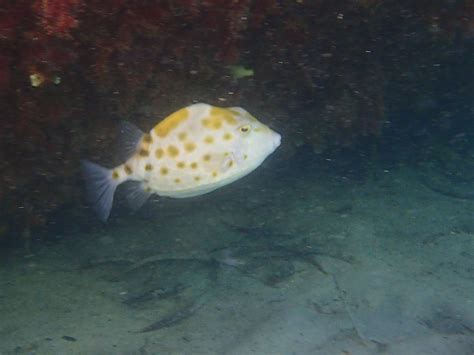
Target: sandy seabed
[(307, 264)]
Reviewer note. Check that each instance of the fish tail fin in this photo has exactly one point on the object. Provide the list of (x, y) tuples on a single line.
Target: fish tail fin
[(100, 187)]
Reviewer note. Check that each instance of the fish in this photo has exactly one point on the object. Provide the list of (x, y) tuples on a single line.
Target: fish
[(239, 72), (191, 152)]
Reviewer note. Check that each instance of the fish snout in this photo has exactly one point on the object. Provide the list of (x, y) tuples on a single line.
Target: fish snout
[(276, 140)]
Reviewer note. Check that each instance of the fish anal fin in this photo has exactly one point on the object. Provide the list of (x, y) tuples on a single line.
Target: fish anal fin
[(136, 194)]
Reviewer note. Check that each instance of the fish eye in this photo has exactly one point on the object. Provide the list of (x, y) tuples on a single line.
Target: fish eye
[(245, 129)]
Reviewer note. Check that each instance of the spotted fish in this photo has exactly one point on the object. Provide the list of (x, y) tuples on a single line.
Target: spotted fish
[(191, 152)]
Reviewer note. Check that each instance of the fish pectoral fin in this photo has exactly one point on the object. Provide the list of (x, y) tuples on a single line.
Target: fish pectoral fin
[(136, 194), (227, 163), (237, 156), (218, 163)]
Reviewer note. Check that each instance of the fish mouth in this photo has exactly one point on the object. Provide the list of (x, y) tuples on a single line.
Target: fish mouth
[(276, 140)]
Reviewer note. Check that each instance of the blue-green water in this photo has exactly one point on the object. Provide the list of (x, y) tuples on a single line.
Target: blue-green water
[(355, 236)]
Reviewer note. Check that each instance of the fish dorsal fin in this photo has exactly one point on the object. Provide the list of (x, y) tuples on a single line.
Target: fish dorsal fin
[(130, 136)]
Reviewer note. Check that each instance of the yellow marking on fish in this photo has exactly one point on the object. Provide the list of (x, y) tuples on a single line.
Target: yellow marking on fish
[(159, 153), (197, 178), (171, 122), (235, 112), (190, 147), (128, 169), (147, 138), (227, 136), (214, 174), (173, 151), (144, 152), (182, 136), (181, 164), (148, 167), (177, 180), (226, 114), (209, 139), (194, 165), (115, 175), (206, 157), (164, 170), (212, 122)]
